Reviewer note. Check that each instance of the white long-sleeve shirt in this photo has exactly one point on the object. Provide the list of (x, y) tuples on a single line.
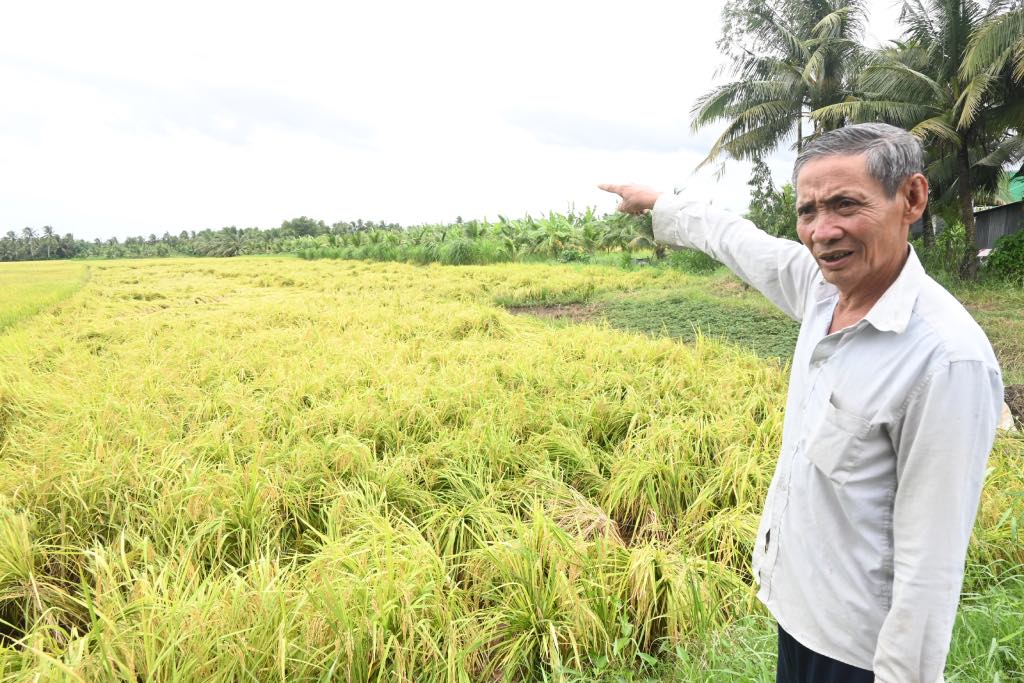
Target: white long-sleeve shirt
[(889, 423)]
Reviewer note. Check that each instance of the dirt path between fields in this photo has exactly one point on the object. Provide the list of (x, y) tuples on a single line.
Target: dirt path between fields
[(577, 313)]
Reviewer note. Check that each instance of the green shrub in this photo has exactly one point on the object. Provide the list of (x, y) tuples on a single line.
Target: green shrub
[(692, 261), (418, 254), (380, 252), (1007, 258), (458, 252), (944, 257), (574, 255), (491, 251)]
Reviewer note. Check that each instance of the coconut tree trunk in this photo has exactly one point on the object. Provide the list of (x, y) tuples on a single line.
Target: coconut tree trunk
[(927, 234), (969, 265)]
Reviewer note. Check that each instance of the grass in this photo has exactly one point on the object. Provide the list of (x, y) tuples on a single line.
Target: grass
[(260, 469), (719, 306), (30, 287), (685, 315), (997, 308), (989, 633)]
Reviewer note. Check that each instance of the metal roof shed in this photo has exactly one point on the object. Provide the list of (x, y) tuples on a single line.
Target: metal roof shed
[(991, 224)]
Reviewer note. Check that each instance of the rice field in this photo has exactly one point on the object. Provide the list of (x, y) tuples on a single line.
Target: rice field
[(26, 288), (276, 470)]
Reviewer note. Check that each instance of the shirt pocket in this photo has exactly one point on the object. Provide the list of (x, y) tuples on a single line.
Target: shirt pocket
[(836, 444)]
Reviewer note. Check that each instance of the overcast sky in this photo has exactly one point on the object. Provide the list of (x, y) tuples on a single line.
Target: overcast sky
[(134, 118)]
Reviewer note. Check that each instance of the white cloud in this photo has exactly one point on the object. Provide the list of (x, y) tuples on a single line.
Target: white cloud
[(127, 118)]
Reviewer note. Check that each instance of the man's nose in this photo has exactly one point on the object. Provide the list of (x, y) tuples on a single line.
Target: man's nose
[(826, 228)]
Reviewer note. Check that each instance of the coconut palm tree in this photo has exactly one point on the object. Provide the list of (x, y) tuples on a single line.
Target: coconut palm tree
[(998, 46), (802, 55), (962, 115), (48, 239), (12, 238), (29, 235)]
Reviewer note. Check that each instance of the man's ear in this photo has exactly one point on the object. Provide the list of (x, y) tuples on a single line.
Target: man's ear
[(915, 192)]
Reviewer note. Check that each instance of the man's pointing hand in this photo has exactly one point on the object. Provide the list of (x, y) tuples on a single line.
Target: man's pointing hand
[(635, 198)]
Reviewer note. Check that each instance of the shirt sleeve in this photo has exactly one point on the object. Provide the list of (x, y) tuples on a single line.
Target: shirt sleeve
[(781, 269), (943, 449)]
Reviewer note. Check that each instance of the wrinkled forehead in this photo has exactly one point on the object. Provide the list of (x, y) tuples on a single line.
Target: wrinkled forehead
[(825, 175)]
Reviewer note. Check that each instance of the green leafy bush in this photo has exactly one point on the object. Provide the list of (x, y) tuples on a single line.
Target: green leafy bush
[(944, 257), (574, 255), (459, 252), (692, 261), (1007, 258)]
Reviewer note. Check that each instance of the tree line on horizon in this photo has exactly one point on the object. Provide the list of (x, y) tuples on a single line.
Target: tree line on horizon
[(30, 244), (571, 236)]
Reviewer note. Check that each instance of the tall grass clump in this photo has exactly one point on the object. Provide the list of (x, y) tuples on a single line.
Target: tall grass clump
[(692, 261)]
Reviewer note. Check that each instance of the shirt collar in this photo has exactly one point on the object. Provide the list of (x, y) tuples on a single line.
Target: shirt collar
[(892, 311)]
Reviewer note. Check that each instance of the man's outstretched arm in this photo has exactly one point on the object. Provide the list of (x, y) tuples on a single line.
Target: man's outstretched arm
[(781, 269)]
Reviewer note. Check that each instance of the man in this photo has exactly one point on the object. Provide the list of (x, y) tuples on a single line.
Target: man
[(893, 401)]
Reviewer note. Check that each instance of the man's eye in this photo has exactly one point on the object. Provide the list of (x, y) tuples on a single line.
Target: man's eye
[(845, 204)]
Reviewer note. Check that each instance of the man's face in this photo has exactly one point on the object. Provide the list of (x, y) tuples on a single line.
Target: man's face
[(856, 233)]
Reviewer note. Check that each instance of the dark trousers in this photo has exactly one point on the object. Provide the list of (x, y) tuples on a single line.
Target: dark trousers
[(797, 664)]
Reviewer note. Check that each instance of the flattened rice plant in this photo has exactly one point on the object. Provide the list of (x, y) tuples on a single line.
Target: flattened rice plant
[(285, 470)]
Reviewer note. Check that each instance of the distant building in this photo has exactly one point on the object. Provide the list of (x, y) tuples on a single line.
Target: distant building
[(993, 223)]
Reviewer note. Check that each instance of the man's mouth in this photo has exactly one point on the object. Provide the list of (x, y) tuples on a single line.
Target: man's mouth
[(834, 257)]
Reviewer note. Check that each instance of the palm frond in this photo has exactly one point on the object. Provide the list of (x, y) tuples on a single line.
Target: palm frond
[(941, 170), (710, 107), (972, 97), (814, 65), (834, 24), (938, 128), (918, 20), (903, 114), (1004, 116), (795, 47), (750, 141), (894, 80), (1009, 151), (997, 42), (724, 101)]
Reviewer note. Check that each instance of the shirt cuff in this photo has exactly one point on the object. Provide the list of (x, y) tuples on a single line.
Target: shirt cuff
[(664, 217)]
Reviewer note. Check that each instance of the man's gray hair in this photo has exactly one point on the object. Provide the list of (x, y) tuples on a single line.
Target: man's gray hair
[(893, 154)]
